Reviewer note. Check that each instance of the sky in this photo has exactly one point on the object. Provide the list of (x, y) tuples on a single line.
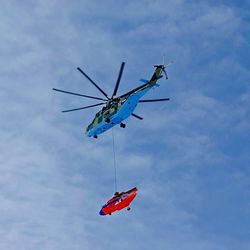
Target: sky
[(189, 157)]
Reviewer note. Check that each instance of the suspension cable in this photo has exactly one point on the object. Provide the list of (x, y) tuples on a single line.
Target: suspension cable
[(113, 140)]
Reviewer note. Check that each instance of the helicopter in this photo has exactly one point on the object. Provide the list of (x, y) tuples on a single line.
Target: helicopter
[(117, 109), (119, 201)]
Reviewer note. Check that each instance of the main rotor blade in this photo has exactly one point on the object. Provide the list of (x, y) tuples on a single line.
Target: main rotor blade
[(86, 107), (93, 82), (155, 100), (72, 93), (118, 79), (137, 116)]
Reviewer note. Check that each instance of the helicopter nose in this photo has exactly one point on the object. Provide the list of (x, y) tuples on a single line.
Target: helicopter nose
[(101, 212)]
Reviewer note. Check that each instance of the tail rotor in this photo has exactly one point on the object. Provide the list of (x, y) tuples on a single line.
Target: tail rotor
[(165, 66)]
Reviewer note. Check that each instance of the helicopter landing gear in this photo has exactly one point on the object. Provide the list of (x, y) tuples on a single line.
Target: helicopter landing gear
[(128, 208), (122, 125), (95, 136), (107, 120)]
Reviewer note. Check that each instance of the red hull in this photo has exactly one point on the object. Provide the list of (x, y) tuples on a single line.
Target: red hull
[(119, 202)]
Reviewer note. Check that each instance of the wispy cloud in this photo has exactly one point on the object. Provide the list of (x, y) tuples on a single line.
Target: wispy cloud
[(188, 157)]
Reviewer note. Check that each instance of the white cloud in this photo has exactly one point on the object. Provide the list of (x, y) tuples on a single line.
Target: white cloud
[(54, 179)]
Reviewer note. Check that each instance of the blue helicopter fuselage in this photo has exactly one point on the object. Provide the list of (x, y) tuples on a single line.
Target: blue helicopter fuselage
[(122, 112), (120, 108)]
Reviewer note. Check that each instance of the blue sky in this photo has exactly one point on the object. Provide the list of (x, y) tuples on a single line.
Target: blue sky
[(188, 157)]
